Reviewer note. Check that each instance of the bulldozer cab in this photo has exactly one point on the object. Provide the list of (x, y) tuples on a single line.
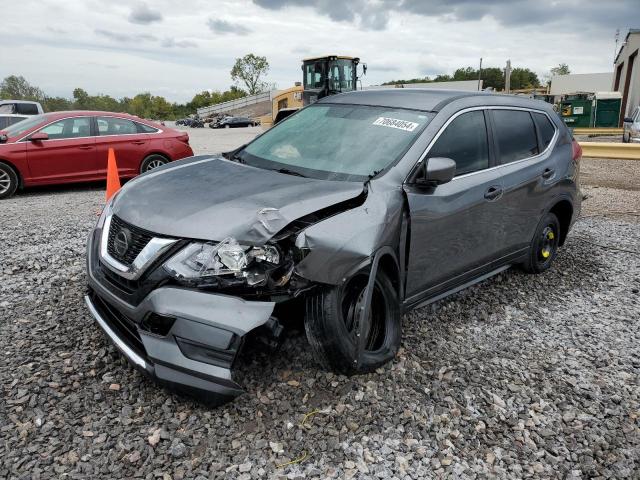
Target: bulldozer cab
[(323, 76)]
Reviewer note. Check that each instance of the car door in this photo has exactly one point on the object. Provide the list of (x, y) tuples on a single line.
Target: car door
[(455, 228), (69, 154), (128, 144), (529, 170)]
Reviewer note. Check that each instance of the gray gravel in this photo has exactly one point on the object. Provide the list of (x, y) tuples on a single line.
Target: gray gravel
[(522, 376)]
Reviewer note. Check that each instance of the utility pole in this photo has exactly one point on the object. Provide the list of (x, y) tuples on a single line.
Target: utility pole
[(507, 77), (480, 75)]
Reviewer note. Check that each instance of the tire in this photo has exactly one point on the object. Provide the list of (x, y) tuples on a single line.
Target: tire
[(153, 161), (8, 181), (626, 137), (330, 331), (544, 245)]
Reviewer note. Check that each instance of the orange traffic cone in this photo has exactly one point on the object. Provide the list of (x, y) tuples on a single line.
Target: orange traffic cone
[(113, 179)]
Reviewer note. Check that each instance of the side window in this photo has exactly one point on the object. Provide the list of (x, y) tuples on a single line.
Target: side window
[(142, 128), (465, 142), (545, 127), (68, 128), (515, 134), (27, 109), (115, 126)]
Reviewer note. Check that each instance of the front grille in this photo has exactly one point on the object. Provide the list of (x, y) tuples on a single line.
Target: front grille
[(125, 327), (121, 283), (138, 239)]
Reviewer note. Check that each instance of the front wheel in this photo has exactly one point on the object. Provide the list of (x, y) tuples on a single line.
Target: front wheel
[(8, 181), (335, 326), (544, 246), (152, 161)]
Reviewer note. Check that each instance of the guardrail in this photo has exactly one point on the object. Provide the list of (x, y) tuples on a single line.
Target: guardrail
[(625, 151), (597, 131), (234, 104)]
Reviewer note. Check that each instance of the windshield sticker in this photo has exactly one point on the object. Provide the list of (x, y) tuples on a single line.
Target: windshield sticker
[(396, 123)]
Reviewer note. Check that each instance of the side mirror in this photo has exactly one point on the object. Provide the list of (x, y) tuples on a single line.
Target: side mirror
[(435, 171), (628, 120), (39, 136)]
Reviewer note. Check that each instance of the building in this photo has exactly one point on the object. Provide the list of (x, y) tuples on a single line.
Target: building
[(580, 83), (627, 73)]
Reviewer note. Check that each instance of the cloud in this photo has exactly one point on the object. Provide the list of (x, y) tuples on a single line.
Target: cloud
[(124, 37), (370, 15), (143, 15), (375, 14), (223, 27), (172, 42)]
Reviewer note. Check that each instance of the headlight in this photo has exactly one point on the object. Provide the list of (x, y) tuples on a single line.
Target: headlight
[(200, 260)]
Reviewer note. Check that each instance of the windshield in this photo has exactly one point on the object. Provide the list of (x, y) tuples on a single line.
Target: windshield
[(19, 128), (341, 75), (337, 142)]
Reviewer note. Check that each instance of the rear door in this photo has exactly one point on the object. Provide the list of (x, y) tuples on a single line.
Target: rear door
[(68, 155), (455, 228), (128, 144), (523, 141)]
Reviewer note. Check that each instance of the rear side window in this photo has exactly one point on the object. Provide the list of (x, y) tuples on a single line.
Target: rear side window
[(545, 127), (6, 121), (68, 128), (515, 134), (27, 109), (116, 126), (142, 128), (465, 142)]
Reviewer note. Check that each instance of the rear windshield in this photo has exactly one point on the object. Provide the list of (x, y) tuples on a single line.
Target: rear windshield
[(337, 142), (19, 128)]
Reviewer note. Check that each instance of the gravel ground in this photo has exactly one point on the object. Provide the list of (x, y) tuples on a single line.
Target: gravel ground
[(522, 376)]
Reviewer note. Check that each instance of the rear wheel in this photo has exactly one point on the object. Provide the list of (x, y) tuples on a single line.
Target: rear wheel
[(153, 161), (8, 181), (335, 325), (544, 246)]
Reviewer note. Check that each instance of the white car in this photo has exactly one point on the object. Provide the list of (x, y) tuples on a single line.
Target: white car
[(20, 107), (8, 119), (631, 132)]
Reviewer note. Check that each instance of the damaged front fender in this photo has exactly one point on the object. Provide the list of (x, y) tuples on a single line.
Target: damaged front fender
[(339, 245)]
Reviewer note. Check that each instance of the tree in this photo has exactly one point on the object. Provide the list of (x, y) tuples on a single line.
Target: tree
[(249, 70), (17, 88), (523, 78), (561, 69)]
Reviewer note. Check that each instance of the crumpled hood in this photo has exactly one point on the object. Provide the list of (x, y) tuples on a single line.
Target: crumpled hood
[(211, 198)]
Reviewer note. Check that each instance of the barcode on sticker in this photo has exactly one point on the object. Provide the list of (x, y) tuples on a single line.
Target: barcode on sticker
[(396, 123)]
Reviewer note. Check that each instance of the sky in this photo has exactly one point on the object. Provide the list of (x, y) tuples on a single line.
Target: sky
[(176, 49)]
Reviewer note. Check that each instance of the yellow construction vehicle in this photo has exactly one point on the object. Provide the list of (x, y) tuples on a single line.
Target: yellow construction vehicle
[(321, 76)]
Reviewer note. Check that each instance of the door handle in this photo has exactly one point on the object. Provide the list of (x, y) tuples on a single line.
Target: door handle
[(548, 173), (493, 192), (85, 147), (138, 142)]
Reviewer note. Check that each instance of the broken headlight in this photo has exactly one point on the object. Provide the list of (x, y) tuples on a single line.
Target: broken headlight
[(201, 260)]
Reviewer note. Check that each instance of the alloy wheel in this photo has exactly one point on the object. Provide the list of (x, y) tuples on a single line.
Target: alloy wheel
[(5, 182), (155, 164), (353, 311)]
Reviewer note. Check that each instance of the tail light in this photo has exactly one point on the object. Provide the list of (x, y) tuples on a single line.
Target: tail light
[(576, 150)]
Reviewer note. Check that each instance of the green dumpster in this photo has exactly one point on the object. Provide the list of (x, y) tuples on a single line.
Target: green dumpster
[(576, 112), (607, 112)]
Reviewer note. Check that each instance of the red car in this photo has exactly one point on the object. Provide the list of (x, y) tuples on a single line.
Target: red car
[(67, 147)]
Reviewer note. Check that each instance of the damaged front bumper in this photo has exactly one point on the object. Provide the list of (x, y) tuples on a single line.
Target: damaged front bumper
[(184, 338)]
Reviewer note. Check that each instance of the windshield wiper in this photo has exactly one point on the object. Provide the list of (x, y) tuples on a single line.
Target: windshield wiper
[(286, 171)]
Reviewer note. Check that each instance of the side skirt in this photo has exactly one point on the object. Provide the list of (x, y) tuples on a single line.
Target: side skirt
[(421, 303)]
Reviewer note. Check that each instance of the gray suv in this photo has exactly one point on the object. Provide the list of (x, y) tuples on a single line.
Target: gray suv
[(361, 206)]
